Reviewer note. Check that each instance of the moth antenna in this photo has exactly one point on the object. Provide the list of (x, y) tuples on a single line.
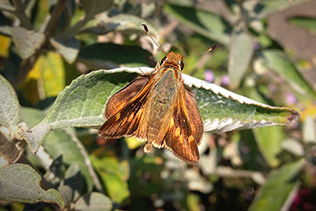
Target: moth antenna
[(210, 49), (141, 71), (147, 31)]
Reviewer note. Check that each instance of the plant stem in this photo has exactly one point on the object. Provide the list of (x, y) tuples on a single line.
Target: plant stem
[(25, 69), (58, 10), (19, 12)]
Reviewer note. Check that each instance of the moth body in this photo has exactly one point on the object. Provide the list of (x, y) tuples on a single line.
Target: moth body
[(157, 109)]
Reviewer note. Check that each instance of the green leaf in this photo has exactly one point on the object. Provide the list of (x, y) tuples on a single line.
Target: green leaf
[(114, 175), (61, 142), (269, 7), (92, 8), (281, 65), (32, 116), (269, 141), (5, 42), (110, 55), (205, 23), (20, 183), (239, 58), (293, 146), (94, 202), (147, 165), (304, 22), (111, 165), (309, 131), (68, 47), (116, 188), (52, 71), (10, 113), (27, 42), (193, 201), (277, 189), (83, 102), (72, 186), (73, 178), (128, 24)]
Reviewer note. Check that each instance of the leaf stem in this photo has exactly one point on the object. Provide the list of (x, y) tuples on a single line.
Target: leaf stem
[(19, 12), (85, 155), (88, 16), (6, 8)]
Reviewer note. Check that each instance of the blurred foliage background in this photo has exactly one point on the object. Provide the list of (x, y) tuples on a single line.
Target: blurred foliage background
[(267, 53)]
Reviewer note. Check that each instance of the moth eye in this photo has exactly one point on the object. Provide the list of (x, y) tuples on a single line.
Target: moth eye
[(181, 65), (163, 60)]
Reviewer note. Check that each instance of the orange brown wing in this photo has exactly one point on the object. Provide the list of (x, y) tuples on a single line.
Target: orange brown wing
[(196, 121), (125, 122), (125, 95), (185, 129)]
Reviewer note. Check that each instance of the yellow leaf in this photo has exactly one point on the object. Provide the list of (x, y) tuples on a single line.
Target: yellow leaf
[(309, 111), (132, 143), (49, 74), (4, 46), (53, 74)]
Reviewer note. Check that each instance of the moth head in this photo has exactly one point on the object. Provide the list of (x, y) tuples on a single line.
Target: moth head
[(173, 59)]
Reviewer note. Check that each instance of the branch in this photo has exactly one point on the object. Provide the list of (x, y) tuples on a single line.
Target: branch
[(26, 67), (7, 8), (58, 10)]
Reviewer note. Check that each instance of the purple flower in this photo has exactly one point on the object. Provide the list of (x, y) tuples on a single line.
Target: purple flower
[(225, 80), (290, 98), (209, 76), (255, 45)]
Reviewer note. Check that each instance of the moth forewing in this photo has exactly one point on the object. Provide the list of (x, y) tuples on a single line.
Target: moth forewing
[(124, 121), (124, 95)]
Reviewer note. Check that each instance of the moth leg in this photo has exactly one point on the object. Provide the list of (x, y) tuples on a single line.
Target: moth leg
[(142, 71), (148, 147)]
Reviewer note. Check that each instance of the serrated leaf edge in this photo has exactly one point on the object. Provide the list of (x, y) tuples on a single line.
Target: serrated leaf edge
[(197, 83)]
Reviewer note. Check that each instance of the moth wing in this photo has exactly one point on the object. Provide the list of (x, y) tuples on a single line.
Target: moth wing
[(195, 118), (185, 131), (126, 121), (124, 95)]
